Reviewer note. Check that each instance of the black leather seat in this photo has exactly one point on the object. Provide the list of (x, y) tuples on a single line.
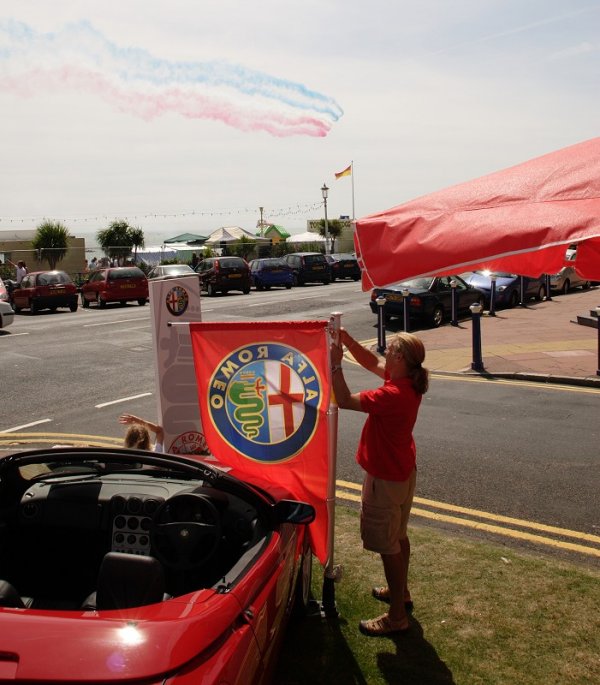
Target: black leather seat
[(126, 581), (9, 597)]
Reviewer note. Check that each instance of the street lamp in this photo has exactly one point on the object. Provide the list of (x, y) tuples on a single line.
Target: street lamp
[(324, 191)]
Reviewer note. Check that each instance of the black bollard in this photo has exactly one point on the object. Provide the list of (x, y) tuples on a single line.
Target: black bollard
[(493, 295), (477, 363), (380, 301), (598, 324), (522, 291), (454, 321), (548, 289)]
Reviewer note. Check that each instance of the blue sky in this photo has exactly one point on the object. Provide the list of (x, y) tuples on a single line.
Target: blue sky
[(419, 96)]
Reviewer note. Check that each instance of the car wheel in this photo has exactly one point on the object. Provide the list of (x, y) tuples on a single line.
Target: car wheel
[(587, 285), (260, 286), (513, 300), (333, 279), (122, 303), (33, 306), (53, 308), (101, 301), (326, 281), (73, 306), (356, 278), (142, 301), (438, 316), (267, 287), (288, 286), (541, 294), (84, 303), (246, 290), (210, 290), (566, 287), (303, 583)]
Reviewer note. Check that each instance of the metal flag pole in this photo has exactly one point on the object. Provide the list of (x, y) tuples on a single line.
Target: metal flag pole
[(352, 175), (332, 573)]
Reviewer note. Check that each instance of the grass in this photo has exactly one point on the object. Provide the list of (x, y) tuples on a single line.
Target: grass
[(483, 615)]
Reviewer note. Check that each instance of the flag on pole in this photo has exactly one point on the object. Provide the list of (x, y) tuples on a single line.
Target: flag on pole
[(346, 172), (264, 393)]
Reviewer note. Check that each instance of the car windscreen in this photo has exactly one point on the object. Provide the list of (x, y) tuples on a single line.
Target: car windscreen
[(125, 273), (53, 278), (415, 283), (274, 262), (232, 262), (174, 269), (314, 259)]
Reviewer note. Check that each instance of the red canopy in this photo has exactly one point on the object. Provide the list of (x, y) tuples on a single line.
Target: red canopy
[(517, 220)]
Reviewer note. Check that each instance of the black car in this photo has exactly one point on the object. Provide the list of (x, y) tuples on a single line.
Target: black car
[(342, 265), (308, 267), (429, 298), (222, 274)]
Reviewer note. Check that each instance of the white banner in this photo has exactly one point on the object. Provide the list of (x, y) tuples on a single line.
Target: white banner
[(177, 300)]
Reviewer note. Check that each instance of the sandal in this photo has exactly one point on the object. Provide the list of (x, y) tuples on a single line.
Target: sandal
[(382, 625), (382, 593)]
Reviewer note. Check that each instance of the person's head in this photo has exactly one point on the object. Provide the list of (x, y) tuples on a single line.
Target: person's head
[(137, 437), (20, 263), (405, 355)]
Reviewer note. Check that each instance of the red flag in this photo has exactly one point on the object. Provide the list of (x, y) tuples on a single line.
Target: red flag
[(263, 390)]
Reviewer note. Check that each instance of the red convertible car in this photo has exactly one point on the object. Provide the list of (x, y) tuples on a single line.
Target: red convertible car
[(130, 566)]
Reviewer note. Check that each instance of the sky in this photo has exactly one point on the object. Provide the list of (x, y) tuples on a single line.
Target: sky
[(189, 115)]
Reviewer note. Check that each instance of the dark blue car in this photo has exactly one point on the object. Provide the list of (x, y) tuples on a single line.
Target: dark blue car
[(270, 272), (508, 287)]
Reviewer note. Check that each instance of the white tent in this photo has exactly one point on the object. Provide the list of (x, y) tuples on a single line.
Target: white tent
[(306, 237), (155, 254)]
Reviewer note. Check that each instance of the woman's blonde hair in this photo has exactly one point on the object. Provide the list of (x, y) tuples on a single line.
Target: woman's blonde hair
[(137, 437), (413, 351)]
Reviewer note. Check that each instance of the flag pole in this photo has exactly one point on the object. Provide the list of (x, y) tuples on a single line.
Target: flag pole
[(332, 573), (352, 175)]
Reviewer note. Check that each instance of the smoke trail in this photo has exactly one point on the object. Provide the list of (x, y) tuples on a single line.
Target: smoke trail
[(81, 58)]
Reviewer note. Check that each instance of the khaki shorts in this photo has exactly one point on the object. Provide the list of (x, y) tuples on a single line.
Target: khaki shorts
[(384, 512)]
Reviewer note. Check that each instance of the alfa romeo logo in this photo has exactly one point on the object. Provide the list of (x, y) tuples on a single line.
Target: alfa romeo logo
[(177, 300), (264, 399)]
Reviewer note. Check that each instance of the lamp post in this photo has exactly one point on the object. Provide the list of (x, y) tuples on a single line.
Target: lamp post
[(405, 306), (260, 209), (380, 301), (324, 191)]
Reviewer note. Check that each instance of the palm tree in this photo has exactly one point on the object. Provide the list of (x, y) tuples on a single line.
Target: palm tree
[(334, 229), (117, 240), (137, 240), (51, 241)]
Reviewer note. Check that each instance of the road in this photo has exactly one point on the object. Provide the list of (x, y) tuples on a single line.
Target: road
[(507, 449)]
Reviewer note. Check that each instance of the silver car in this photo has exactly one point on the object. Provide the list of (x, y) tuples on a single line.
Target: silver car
[(566, 279), (6, 314)]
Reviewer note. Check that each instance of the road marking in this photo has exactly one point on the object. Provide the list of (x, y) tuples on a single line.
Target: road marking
[(12, 335), (122, 399), (509, 381), (111, 323), (69, 439), (26, 425), (490, 528)]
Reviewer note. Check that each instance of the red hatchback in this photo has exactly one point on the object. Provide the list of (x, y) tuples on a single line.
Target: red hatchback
[(120, 284), (45, 290)]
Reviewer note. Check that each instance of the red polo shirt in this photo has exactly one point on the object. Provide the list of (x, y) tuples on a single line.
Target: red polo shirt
[(386, 448)]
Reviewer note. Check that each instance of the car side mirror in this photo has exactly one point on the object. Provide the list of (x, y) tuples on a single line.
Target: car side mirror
[(290, 511)]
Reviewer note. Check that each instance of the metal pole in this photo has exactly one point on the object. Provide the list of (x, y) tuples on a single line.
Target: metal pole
[(406, 308), (598, 326), (380, 301), (477, 363), (453, 285), (493, 295), (324, 192), (548, 289), (522, 291)]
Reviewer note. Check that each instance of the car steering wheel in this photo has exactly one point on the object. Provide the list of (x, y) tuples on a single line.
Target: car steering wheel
[(186, 531)]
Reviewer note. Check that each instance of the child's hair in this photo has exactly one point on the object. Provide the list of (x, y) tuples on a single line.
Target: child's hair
[(137, 437), (413, 351)]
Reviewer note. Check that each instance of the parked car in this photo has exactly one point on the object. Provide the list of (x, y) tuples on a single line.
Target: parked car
[(7, 314), (342, 265), (308, 267), (4, 294), (430, 298), (45, 290), (170, 271), (270, 272), (133, 566), (118, 284), (222, 274), (566, 279), (508, 287)]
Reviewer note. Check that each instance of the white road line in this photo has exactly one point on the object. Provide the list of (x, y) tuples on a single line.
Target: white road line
[(12, 335), (26, 425), (109, 323), (123, 399)]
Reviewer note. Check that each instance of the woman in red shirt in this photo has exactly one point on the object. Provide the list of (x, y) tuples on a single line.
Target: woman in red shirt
[(386, 452)]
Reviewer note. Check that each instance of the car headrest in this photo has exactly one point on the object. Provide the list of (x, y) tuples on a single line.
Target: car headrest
[(129, 580)]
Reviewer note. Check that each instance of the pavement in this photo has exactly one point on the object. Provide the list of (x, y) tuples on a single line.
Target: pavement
[(540, 342)]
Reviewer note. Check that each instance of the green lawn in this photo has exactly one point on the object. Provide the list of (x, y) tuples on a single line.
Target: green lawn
[(483, 615)]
